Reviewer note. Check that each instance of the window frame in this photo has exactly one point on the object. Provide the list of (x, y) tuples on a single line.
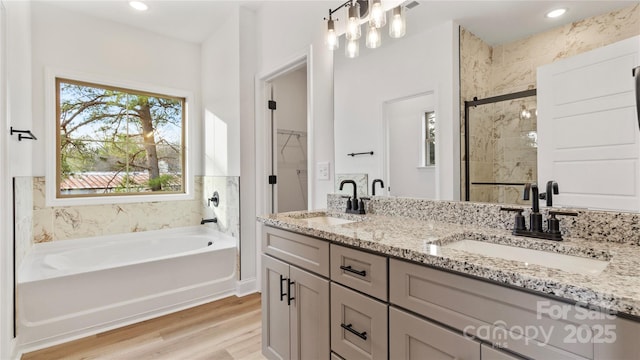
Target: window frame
[(426, 139), (53, 149)]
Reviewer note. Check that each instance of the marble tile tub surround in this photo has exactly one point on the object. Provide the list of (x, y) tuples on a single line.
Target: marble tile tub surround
[(418, 238), (72, 222), (590, 225)]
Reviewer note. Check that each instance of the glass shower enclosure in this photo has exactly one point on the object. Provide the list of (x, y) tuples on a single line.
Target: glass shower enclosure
[(500, 147)]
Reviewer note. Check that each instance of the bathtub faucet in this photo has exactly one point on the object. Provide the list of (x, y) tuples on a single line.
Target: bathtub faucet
[(204, 221)]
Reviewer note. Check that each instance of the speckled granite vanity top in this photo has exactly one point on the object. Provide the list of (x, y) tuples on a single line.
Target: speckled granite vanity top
[(616, 288)]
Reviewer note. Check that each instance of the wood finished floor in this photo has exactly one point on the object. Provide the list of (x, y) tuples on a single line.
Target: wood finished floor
[(227, 329)]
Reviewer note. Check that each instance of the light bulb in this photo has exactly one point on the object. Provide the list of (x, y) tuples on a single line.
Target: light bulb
[(352, 49), (373, 37), (332, 38), (398, 26), (378, 17), (353, 24)]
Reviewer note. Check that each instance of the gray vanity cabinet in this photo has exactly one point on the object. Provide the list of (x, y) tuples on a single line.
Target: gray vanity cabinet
[(295, 302), (413, 338)]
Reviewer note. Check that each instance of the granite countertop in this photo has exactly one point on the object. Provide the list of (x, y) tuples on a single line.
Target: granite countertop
[(616, 288)]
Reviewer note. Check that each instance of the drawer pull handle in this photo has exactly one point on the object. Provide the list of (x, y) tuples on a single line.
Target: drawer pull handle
[(361, 335), (289, 297), (282, 293), (351, 270)]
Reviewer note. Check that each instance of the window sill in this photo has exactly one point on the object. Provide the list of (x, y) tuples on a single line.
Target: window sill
[(112, 200)]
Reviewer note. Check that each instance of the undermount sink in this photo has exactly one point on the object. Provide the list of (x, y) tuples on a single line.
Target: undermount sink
[(569, 263), (328, 220)]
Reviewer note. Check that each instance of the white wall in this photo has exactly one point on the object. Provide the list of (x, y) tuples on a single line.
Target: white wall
[(248, 68), (221, 99), (70, 41), (420, 62), (15, 156), (281, 41), (405, 172), (229, 58)]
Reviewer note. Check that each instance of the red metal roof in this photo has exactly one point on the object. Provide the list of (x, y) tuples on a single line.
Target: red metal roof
[(101, 180)]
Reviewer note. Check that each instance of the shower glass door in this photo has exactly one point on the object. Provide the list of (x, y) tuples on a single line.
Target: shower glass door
[(501, 143)]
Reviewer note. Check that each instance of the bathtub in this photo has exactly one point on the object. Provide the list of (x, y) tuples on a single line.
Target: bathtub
[(74, 288)]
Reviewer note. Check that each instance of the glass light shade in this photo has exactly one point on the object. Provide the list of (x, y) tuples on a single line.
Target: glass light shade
[(378, 17), (373, 37), (352, 49), (353, 23), (332, 39), (398, 26)]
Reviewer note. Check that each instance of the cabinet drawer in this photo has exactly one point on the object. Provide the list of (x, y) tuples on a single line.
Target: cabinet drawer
[(300, 250), (489, 353), (505, 317), (359, 270), (413, 338), (358, 325), (335, 356)]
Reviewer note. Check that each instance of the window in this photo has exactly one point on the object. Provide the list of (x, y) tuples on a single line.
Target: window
[(429, 131), (117, 142)]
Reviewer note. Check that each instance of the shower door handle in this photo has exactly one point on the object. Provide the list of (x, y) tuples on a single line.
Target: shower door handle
[(282, 293)]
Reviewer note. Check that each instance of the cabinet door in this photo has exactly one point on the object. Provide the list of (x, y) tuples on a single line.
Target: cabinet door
[(309, 313), (413, 338), (275, 311)]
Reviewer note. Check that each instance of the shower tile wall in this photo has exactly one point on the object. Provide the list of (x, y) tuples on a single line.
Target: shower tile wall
[(489, 71), (71, 222)]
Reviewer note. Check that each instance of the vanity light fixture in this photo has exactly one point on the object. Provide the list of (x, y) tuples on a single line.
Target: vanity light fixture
[(332, 37), (377, 16), (373, 37), (556, 13), (352, 49), (138, 5), (353, 23), (356, 10), (398, 26)]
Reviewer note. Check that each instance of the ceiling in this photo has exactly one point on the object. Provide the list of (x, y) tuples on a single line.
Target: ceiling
[(496, 21)]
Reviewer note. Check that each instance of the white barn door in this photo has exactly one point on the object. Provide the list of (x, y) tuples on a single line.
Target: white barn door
[(588, 137)]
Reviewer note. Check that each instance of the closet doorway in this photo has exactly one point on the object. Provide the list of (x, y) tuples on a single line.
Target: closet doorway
[(289, 140)]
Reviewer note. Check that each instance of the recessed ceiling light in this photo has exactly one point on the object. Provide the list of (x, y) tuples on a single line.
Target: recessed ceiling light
[(138, 5), (556, 13)]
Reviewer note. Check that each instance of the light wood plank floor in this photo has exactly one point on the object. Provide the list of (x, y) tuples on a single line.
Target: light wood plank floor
[(228, 329)]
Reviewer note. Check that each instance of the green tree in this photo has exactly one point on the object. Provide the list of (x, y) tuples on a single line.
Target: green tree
[(117, 130)]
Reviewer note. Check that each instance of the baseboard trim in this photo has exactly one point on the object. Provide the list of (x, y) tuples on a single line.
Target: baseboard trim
[(246, 287)]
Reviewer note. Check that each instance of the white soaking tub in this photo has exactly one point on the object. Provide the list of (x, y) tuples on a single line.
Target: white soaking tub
[(73, 288)]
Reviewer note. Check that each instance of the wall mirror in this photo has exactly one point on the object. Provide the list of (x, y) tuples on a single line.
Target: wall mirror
[(500, 52)]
